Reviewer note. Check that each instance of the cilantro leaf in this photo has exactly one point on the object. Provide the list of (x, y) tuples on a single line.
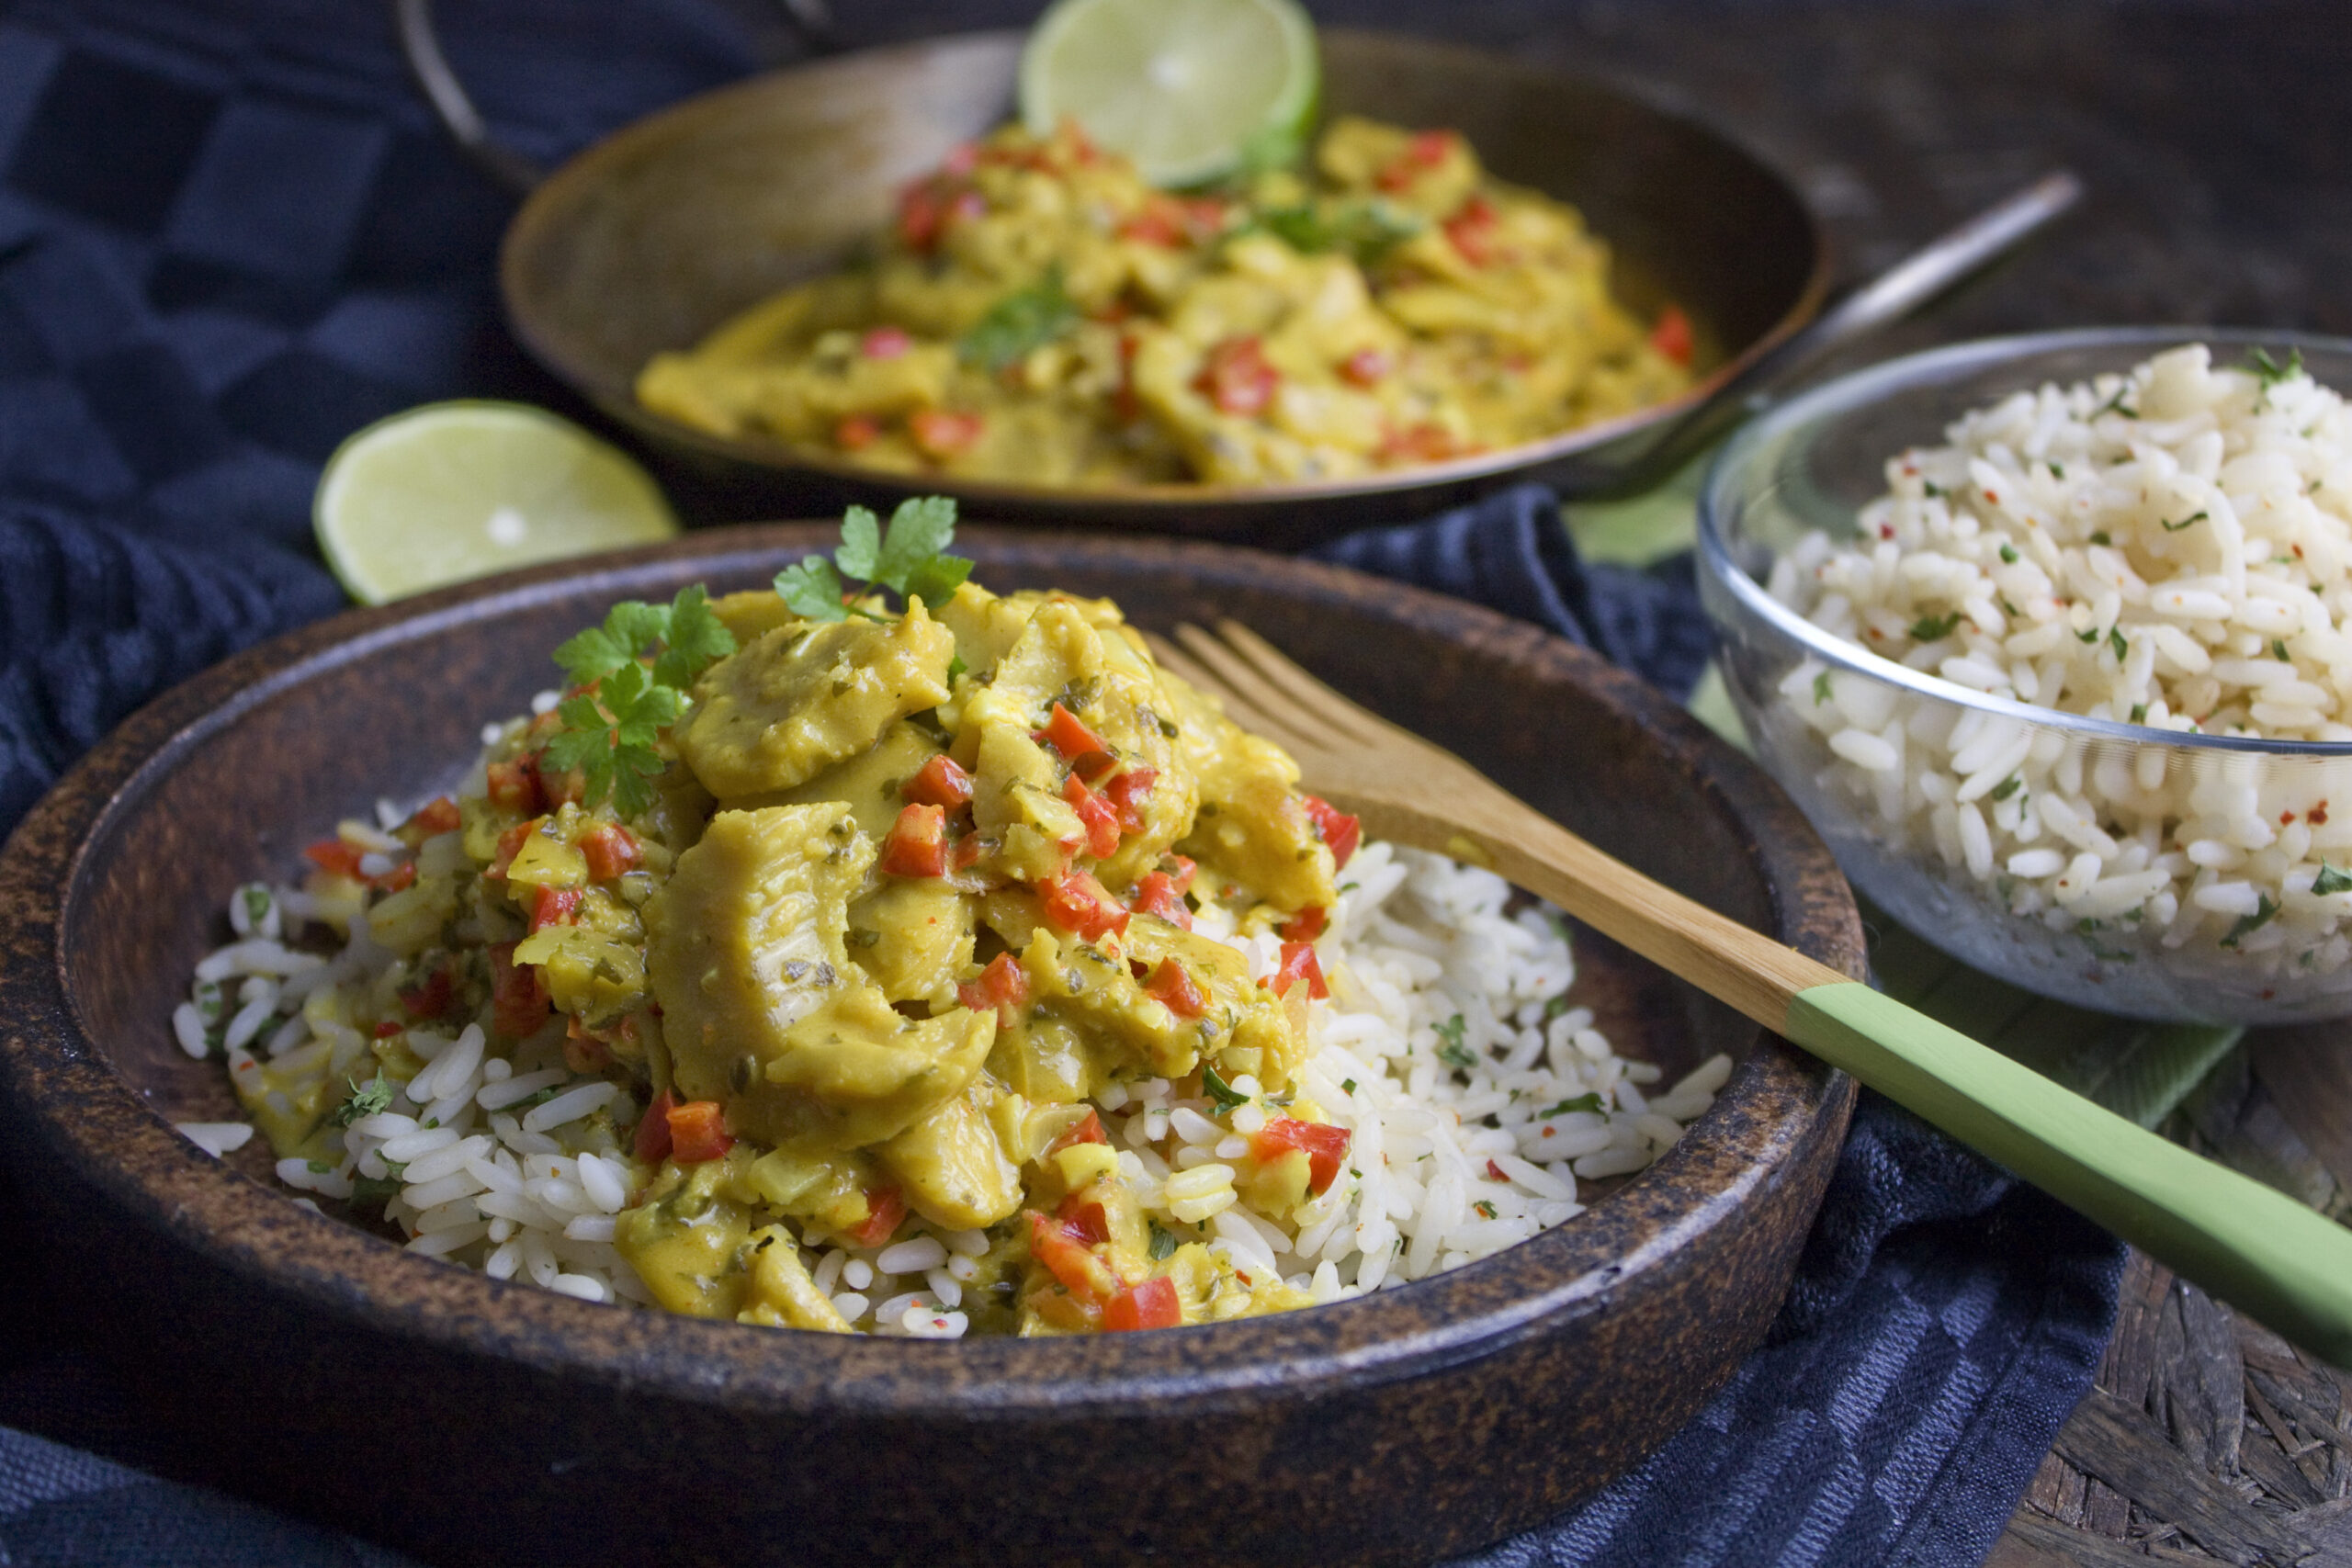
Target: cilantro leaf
[(1454, 1053), (1020, 323), (2331, 880), (812, 590), (2265, 910), (1223, 1093), (1365, 230), (920, 529), (366, 1100), (2176, 527), (1934, 628), (1163, 1242), (1590, 1102), (861, 547), (1821, 691), (2268, 371), (697, 638)]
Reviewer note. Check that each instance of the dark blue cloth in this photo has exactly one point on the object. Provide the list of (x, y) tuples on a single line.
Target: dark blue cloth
[(229, 236)]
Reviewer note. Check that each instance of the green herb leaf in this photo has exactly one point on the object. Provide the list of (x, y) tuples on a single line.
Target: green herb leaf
[(1485, 1209), (2331, 880), (2268, 371), (2279, 651), (2139, 713), (2090, 636), (1349, 1085), (2265, 910), (1934, 628), (1452, 1051), (2116, 405), (2007, 787), (2115, 640), (1365, 230), (920, 529), (365, 1101), (2176, 527), (1590, 1102), (861, 547), (2009, 554), (2100, 539), (1163, 1242), (1821, 693), (812, 590), (1219, 1090), (1022, 321), (697, 638)]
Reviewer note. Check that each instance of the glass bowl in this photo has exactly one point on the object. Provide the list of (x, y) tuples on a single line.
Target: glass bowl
[(2214, 925)]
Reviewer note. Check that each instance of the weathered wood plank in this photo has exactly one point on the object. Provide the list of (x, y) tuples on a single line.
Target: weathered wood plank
[(2049, 1542), (2121, 1444), (2309, 1075), (2200, 1378)]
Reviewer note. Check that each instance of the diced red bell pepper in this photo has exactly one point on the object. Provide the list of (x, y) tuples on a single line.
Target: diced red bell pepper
[(1002, 985), (1364, 367), (855, 432), (885, 342), (1076, 902), (515, 785), (430, 996), (1172, 985), (1496, 1172), (1181, 871), (1068, 734), (518, 994), (653, 1130), (1091, 765), (1160, 222), (582, 1052), (922, 213), (698, 1132), (510, 845), (1308, 924), (1426, 151), (1471, 229), (400, 877), (1423, 443), (1151, 1304), (611, 850), (1067, 1258), (941, 433), (1089, 1130), (1340, 833), (1126, 793), (1299, 963), (940, 783), (387, 1029), (885, 1207), (918, 843), (1084, 1223), (1325, 1147), (334, 855), (1671, 337), (435, 816), (1237, 379), (569, 787), (555, 907), (1156, 895), (1099, 818)]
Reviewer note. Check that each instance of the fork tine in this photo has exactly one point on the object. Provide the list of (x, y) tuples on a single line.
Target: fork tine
[(1237, 708), (1235, 673), (1351, 719)]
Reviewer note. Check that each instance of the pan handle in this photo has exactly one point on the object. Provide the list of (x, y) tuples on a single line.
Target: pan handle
[(812, 20), (1880, 303)]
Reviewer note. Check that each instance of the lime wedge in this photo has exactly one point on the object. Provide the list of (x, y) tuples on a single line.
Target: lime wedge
[(1189, 89), (451, 491)]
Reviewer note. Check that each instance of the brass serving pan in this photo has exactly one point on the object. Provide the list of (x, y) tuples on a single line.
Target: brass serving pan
[(656, 234)]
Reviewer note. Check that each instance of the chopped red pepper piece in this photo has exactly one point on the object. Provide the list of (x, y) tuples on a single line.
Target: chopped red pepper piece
[(698, 1132), (1426, 151), (1495, 1172), (518, 994), (885, 342), (1083, 1222), (1091, 765), (1471, 229), (611, 850), (435, 816), (387, 1029), (941, 433), (918, 843), (1096, 815), (855, 432), (515, 785), (1127, 793), (1068, 734), (400, 877), (1156, 895), (1671, 337), (1323, 1145), (1306, 925), (940, 783), (922, 212), (885, 1207), (1364, 367), (554, 906), (510, 845), (1299, 963), (1161, 224), (1181, 870), (1237, 379), (1337, 831), (1090, 1131), (1076, 902), (1151, 1304), (334, 855), (1067, 1257), (430, 996), (1174, 987), (1002, 985), (653, 1130)]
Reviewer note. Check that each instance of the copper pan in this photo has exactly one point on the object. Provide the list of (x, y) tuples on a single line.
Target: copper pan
[(654, 235)]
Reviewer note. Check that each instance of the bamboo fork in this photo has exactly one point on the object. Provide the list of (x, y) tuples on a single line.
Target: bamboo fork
[(2242, 1241)]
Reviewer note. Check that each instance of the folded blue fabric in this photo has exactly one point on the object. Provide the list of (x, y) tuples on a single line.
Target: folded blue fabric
[(228, 237)]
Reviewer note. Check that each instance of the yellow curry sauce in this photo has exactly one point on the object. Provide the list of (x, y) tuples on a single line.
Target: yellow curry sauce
[(1040, 315), (911, 890)]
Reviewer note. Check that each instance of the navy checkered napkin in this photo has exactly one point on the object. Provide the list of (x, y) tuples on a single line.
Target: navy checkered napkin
[(228, 237)]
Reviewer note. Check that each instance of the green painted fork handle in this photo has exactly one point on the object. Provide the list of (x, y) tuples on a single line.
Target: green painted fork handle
[(2250, 1245)]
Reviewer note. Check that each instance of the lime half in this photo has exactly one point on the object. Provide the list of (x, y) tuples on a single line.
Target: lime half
[(1189, 89), (450, 491)]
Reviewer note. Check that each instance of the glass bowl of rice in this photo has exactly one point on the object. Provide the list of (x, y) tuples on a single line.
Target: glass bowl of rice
[(2051, 638)]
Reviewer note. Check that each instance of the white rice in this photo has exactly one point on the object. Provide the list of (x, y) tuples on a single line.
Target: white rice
[(2171, 548), (1478, 1101)]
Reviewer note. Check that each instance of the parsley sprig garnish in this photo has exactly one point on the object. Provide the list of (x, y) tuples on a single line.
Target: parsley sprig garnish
[(1020, 324), (366, 1100), (910, 558), (610, 727)]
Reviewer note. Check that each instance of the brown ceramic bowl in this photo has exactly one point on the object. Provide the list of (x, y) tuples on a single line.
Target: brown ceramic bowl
[(658, 233), (320, 1368)]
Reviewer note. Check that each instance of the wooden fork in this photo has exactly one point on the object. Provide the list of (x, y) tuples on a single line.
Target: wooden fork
[(2240, 1240)]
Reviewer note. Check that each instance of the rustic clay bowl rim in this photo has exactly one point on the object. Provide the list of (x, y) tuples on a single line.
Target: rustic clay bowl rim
[(90, 1117)]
